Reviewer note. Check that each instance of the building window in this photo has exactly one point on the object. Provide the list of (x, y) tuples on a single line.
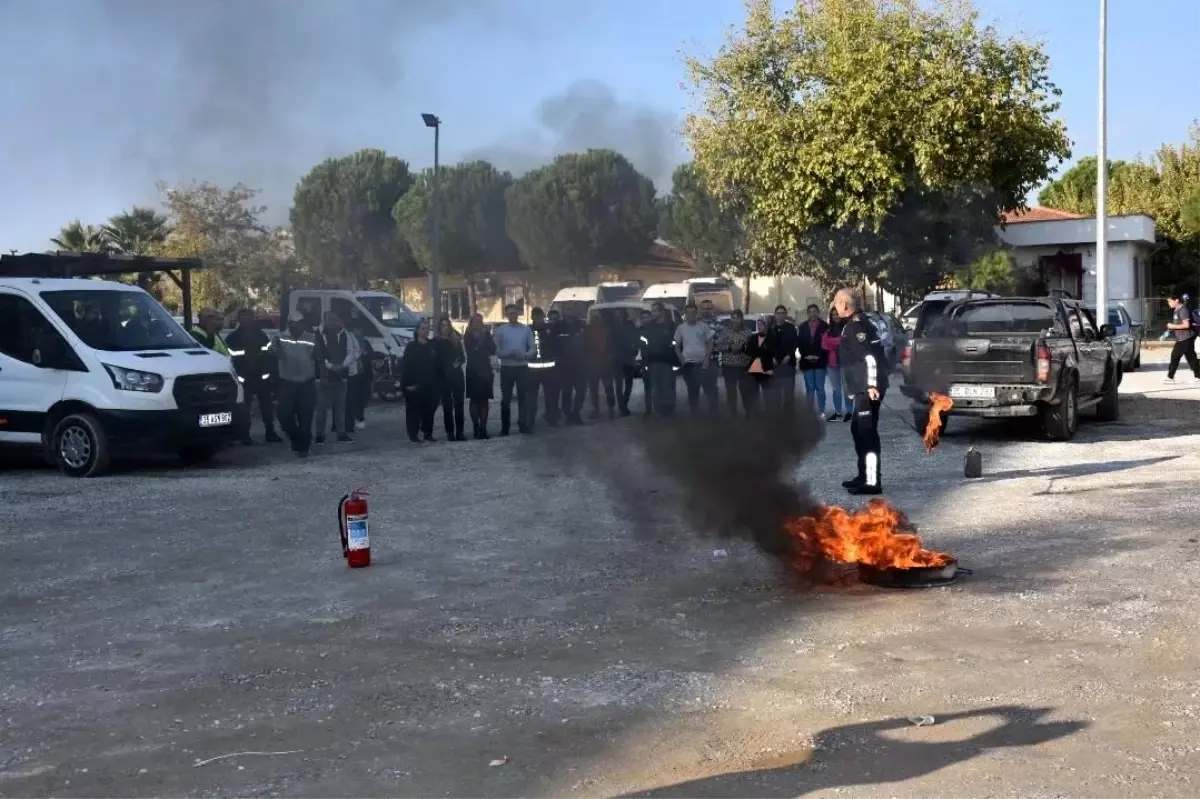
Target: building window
[(456, 304), (515, 295)]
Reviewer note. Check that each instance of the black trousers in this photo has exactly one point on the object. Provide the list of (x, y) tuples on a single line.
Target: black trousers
[(864, 428), (759, 394), (453, 392), (572, 388), (623, 380), (739, 383), (699, 379), (513, 379), (419, 407), (297, 401), (358, 393), (259, 389), (544, 381), (647, 389), (783, 381), (598, 376), (1185, 349)]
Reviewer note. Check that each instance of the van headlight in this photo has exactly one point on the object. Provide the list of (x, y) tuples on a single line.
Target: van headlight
[(134, 380)]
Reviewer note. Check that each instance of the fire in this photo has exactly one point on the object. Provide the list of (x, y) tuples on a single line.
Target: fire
[(938, 404), (878, 535)]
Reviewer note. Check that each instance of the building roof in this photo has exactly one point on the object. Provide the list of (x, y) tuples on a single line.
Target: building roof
[(1039, 214)]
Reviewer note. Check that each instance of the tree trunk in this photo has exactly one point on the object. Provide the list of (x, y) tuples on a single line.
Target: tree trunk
[(472, 300), (746, 294)]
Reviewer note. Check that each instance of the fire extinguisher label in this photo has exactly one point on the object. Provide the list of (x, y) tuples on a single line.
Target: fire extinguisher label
[(356, 533)]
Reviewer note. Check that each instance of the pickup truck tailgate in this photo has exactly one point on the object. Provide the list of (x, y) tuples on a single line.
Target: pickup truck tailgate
[(938, 362)]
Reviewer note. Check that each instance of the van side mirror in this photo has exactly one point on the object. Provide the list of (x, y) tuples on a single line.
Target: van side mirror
[(1106, 331)]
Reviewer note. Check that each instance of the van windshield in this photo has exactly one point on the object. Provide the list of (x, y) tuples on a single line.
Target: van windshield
[(721, 299), (572, 309), (389, 311), (114, 320), (618, 293)]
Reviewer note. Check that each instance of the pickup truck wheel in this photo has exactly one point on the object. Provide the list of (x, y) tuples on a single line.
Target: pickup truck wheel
[(1109, 410), (1059, 421), (80, 446)]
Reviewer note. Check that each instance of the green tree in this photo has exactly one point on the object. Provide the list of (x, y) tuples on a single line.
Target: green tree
[(996, 271), (78, 237), (137, 231), (582, 211), (694, 220), (1075, 191), (473, 237), (342, 217), (831, 116)]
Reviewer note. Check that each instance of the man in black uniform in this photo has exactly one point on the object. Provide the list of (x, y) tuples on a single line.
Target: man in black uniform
[(864, 375), (542, 372), (248, 347), (572, 368)]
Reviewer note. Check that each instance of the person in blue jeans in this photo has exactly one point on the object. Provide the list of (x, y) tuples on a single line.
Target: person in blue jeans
[(814, 358), (829, 343)]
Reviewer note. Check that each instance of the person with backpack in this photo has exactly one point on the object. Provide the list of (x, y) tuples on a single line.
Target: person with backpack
[(1184, 325)]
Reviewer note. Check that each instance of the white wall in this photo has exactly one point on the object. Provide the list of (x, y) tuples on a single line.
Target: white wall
[(794, 292), (1063, 232), (1122, 274)]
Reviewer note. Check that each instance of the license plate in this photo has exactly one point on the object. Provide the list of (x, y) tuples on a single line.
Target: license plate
[(216, 419), (973, 392)]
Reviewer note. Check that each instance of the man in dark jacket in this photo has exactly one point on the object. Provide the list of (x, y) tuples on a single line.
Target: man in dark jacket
[(864, 374), (660, 358), (622, 350), (570, 355), (813, 358), (336, 353), (543, 372), (248, 347), (784, 341)]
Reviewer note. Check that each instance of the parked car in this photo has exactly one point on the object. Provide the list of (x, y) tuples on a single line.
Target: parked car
[(1038, 357), (1126, 338), (891, 335)]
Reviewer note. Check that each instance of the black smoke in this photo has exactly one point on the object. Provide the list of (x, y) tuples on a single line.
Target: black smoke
[(590, 115)]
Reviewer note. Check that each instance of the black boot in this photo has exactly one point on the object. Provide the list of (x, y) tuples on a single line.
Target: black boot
[(854, 482)]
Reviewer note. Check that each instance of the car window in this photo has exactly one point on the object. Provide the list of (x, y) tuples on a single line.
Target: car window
[(998, 318), (23, 330), (928, 318)]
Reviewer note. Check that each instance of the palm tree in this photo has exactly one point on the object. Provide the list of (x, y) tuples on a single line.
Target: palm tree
[(78, 237), (137, 231)]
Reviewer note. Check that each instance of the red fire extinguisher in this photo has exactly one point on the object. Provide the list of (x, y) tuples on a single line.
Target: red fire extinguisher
[(352, 526)]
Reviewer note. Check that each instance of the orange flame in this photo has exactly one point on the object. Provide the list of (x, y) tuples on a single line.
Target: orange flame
[(878, 535), (938, 404)]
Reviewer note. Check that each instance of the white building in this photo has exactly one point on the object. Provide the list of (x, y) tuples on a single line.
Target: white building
[(1060, 248)]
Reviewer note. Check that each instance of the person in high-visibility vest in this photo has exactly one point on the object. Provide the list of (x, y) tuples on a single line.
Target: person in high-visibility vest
[(208, 331)]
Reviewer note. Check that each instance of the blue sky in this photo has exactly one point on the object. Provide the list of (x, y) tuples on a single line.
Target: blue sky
[(102, 98)]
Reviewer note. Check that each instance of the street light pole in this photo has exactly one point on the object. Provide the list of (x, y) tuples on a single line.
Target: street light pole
[(1102, 176), (435, 271)]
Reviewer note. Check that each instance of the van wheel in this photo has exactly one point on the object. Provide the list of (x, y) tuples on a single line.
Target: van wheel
[(1109, 409), (198, 454), (79, 446), (1060, 421)]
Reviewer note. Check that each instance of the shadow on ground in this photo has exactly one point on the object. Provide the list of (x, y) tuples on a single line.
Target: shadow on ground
[(876, 753)]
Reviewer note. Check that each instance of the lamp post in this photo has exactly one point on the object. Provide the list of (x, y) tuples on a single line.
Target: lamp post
[(1102, 176), (435, 271)]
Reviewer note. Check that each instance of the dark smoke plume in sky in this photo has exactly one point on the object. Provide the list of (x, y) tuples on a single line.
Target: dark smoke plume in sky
[(736, 477), (586, 115)]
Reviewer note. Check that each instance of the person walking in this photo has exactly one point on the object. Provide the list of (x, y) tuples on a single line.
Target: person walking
[(480, 379), (784, 342), (660, 358), (814, 358), (599, 366), (335, 354), (451, 382), (710, 377), (514, 347), (543, 371), (760, 350), (864, 372), (830, 343), (249, 348), (730, 345), (1181, 327), (693, 346), (422, 380), (296, 354), (644, 320)]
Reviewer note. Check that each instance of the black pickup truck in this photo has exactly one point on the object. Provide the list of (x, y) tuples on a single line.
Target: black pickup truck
[(1007, 357)]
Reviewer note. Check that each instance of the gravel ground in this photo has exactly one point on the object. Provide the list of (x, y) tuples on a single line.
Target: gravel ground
[(160, 618)]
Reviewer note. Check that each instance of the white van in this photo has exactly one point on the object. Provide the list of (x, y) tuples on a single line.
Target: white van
[(383, 320), (717, 290), (575, 301), (92, 370), (677, 295)]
